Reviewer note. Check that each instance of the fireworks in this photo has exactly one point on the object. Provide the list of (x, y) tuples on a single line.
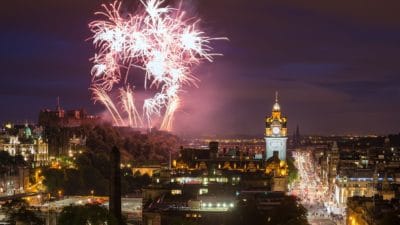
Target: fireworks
[(158, 40)]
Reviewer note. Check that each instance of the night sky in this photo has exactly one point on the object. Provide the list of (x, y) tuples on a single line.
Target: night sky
[(336, 64)]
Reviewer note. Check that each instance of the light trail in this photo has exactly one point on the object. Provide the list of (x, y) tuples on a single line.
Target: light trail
[(313, 194)]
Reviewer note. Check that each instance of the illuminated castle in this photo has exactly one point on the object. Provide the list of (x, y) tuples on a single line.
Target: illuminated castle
[(276, 133)]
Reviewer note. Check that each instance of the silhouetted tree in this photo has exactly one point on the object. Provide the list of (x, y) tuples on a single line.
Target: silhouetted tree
[(54, 180), (18, 211), (288, 212), (86, 214)]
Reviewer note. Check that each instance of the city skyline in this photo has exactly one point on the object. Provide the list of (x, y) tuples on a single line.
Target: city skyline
[(334, 65)]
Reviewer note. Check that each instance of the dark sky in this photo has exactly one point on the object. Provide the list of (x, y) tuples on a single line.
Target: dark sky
[(335, 64)]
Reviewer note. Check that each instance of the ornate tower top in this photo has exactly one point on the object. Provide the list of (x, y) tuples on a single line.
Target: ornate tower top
[(276, 107), (276, 121)]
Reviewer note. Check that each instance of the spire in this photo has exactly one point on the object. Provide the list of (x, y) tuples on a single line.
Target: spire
[(58, 103), (276, 106), (385, 183), (335, 147)]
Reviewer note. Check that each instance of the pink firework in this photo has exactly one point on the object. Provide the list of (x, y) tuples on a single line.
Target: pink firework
[(159, 41)]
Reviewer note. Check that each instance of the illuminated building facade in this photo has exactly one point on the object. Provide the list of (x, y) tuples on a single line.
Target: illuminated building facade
[(357, 182), (36, 152), (26, 141), (276, 132), (62, 118), (371, 211), (363, 182), (210, 159), (332, 164)]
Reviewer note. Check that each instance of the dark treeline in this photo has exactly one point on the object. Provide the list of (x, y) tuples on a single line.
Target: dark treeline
[(134, 145), (293, 171), (289, 212), (86, 214), (92, 173), (9, 164), (92, 166)]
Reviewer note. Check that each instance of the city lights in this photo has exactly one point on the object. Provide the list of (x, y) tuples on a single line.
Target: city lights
[(164, 130)]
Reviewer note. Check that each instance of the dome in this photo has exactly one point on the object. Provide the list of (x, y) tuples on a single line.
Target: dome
[(28, 132), (276, 107)]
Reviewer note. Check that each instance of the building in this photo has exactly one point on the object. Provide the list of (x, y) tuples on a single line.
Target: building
[(15, 180), (35, 152), (209, 159), (61, 130), (332, 164), (354, 182), (372, 210), (25, 140), (62, 118), (205, 183), (276, 132)]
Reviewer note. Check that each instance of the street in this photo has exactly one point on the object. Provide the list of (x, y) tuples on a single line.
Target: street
[(313, 194)]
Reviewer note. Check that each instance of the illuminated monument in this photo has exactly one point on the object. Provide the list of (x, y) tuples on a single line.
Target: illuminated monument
[(276, 133)]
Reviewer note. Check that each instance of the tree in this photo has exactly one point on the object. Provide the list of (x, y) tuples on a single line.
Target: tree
[(288, 212), (131, 182), (74, 183), (389, 218), (293, 171), (247, 213), (179, 220), (94, 180), (18, 211), (54, 180), (86, 214)]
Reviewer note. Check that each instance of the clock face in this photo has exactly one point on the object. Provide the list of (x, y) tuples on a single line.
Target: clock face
[(276, 130)]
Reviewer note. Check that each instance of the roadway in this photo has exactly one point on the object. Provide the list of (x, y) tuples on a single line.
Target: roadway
[(313, 194)]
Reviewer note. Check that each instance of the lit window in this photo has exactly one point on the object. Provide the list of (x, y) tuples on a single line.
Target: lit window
[(203, 191), (176, 192)]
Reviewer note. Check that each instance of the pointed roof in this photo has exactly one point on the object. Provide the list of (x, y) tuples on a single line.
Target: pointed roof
[(335, 147), (385, 183)]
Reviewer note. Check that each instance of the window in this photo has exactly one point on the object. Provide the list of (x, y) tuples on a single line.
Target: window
[(176, 192), (203, 191)]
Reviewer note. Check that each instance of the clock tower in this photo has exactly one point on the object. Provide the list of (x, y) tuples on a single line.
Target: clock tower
[(276, 132)]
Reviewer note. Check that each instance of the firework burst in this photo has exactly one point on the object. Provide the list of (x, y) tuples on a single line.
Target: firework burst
[(158, 40)]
